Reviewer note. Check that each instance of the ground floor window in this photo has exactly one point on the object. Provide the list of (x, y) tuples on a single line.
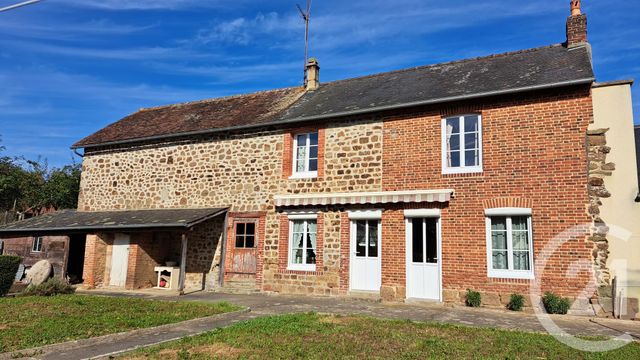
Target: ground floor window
[(37, 244), (302, 243), (509, 243)]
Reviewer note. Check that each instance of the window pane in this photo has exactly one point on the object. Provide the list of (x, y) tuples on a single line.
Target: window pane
[(302, 140), (313, 139), (240, 229), (471, 158), (453, 125), (417, 241), (454, 159), (301, 159), (313, 165), (471, 123), (239, 241), (521, 260), (432, 241), (311, 242), (520, 240), (361, 241), (251, 228), (313, 152), (297, 256), (454, 143), (500, 260), (519, 222), (250, 241), (499, 223), (373, 238), (471, 141)]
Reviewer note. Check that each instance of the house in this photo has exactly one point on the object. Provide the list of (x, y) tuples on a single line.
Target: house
[(412, 184), (614, 164)]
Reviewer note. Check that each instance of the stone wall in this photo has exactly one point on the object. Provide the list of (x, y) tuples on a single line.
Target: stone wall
[(241, 172)]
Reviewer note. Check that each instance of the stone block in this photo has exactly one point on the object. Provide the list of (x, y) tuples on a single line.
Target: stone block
[(451, 296), (491, 300)]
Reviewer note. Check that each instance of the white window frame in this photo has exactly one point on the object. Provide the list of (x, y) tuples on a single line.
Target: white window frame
[(37, 240), (306, 174), (509, 273), (462, 169), (290, 264)]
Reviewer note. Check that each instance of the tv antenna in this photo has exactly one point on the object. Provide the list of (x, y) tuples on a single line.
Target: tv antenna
[(21, 4), (306, 16)]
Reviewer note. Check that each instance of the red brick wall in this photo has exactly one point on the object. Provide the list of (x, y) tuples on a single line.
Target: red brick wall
[(534, 149), (95, 260), (54, 250)]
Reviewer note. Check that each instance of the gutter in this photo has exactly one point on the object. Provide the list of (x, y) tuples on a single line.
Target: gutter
[(345, 113)]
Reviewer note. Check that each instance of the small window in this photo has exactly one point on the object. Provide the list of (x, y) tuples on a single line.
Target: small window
[(305, 155), (509, 245), (302, 244), (462, 144), (245, 235), (37, 244)]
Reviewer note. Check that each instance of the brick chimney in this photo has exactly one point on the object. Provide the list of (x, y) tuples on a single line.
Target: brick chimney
[(576, 26), (313, 75)]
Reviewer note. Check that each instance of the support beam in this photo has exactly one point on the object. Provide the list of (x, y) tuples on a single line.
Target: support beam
[(183, 263), (223, 250)]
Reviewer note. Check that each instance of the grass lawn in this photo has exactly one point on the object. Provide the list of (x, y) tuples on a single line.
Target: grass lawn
[(27, 322), (311, 336)]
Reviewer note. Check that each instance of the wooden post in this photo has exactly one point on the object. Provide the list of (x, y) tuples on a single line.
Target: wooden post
[(183, 264)]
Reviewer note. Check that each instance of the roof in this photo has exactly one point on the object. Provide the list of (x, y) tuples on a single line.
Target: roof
[(76, 221), (539, 68), (614, 83)]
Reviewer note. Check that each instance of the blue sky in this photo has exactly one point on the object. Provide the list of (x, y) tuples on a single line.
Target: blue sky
[(71, 67)]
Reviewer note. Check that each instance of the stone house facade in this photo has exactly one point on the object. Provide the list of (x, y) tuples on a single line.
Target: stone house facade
[(414, 184)]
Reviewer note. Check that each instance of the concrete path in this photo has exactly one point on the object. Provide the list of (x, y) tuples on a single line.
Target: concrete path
[(264, 305)]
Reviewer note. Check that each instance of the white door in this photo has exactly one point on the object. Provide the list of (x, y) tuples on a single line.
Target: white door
[(423, 258), (119, 260), (365, 255)]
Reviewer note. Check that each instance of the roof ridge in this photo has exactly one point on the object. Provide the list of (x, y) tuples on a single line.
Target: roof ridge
[(492, 56), (186, 103)]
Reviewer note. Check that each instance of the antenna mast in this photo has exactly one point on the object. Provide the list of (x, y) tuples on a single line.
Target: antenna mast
[(306, 16), (15, 6)]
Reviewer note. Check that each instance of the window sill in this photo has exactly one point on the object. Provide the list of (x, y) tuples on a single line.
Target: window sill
[(305, 175), (510, 274), (462, 170), (301, 268)]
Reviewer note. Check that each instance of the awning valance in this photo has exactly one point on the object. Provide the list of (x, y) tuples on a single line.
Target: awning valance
[(383, 197), (69, 221)]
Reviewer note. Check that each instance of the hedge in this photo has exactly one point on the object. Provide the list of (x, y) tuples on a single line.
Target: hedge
[(8, 269)]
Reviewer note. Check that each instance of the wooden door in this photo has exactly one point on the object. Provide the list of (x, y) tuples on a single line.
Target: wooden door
[(244, 252), (119, 260)]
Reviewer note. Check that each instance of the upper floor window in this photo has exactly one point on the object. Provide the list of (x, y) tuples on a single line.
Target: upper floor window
[(305, 155), (37, 244), (509, 243), (462, 144)]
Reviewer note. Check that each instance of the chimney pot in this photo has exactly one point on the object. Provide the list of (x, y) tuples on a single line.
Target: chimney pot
[(313, 75), (575, 7)]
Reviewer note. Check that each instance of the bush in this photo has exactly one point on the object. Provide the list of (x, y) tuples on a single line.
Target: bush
[(51, 287), (516, 303), (474, 299), (8, 269), (555, 304)]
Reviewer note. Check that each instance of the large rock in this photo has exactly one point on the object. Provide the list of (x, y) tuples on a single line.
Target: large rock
[(39, 272)]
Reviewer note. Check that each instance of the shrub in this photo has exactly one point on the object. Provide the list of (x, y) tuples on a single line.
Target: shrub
[(8, 269), (51, 287), (474, 299), (555, 304), (516, 303)]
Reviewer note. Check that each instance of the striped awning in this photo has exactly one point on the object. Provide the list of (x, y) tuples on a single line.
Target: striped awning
[(384, 197)]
